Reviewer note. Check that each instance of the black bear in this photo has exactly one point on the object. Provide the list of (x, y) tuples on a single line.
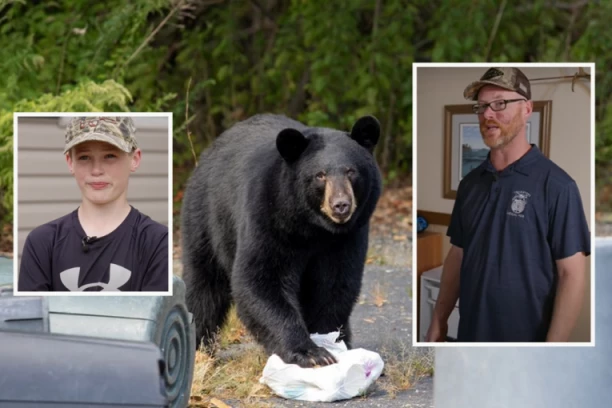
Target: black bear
[(276, 218)]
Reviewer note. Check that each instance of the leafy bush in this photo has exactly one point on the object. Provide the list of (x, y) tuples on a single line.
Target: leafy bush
[(326, 63)]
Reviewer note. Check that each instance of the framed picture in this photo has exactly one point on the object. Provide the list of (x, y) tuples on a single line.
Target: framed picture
[(464, 149)]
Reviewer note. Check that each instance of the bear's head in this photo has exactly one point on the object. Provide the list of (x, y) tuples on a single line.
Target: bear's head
[(335, 174)]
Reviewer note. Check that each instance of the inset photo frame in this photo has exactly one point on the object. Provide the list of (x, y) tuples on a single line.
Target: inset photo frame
[(447, 145), (92, 204)]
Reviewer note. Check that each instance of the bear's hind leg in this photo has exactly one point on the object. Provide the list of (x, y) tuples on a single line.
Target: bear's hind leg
[(208, 296)]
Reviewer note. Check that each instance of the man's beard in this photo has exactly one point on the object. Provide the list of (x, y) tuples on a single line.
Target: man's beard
[(507, 132)]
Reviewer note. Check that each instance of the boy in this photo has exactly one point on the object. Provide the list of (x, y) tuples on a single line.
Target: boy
[(105, 244)]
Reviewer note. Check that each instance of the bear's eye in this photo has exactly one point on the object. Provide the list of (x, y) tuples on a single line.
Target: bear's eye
[(350, 172), (321, 176)]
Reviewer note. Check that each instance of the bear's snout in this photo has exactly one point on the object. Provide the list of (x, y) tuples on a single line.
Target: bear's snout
[(341, 206), (339, 201)]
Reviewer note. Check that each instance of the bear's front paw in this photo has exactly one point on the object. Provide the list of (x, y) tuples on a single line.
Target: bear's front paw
[(311, 357)]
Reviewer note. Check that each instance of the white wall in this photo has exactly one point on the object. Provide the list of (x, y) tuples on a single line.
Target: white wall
[(570, 140)]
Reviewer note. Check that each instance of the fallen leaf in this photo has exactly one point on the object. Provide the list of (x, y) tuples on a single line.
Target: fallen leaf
[(379, 302), (218, 403), (369, 320)]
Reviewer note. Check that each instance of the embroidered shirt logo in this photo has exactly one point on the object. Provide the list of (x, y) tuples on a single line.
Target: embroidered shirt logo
[(118, 276), (519, 202)]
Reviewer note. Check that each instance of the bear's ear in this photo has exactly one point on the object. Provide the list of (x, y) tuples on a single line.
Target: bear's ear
[(291, 144), (366, 132)]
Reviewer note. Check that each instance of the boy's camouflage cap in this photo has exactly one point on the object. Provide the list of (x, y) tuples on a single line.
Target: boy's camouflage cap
[(511, 79), (116, 130)]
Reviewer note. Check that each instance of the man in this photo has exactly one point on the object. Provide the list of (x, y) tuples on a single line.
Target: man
[(105, 244), (518, 232)]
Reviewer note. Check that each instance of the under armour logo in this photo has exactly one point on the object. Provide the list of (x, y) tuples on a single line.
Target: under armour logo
[(118, 276)]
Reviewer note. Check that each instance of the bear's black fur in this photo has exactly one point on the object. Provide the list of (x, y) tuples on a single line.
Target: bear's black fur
[(276, 218)]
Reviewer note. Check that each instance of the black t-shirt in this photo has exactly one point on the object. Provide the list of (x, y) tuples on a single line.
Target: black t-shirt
[(134, 257)]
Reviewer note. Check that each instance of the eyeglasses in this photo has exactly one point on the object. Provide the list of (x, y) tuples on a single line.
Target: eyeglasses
[(496, 106)]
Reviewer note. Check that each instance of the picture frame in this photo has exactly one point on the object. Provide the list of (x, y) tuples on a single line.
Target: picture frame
[(462, 135)]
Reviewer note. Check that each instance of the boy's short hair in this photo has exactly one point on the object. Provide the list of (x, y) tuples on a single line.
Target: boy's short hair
[(118, 131)]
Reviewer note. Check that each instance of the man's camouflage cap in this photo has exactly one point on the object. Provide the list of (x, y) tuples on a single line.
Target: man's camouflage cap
[(511, 79), (118, 131)]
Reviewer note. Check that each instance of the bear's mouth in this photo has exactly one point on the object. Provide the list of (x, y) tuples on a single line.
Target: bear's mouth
[(339, 220)]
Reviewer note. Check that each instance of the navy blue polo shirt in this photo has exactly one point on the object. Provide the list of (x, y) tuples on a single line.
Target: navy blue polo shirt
[(513, 225)]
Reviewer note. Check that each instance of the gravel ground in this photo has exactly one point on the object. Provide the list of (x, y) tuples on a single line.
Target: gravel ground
[(419, 396)]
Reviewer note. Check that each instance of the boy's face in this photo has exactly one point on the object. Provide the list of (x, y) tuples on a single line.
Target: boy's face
[(102, 170)]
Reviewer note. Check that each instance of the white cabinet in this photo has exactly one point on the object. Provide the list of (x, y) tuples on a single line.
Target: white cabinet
[(430, 288)]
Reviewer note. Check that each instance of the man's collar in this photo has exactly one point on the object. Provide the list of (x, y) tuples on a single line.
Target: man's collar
[(522, 165)]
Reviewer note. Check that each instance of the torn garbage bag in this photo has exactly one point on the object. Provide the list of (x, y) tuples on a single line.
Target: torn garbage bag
[(354, 373)]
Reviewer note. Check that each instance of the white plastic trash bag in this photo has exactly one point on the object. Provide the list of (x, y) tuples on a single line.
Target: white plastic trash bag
[(355, 371)]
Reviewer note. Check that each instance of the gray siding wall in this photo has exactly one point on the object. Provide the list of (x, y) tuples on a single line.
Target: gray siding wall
[(46, 189)]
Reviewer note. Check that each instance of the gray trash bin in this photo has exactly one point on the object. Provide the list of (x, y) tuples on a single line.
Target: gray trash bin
[(560, 377), (163, 320), (51, 370), (23, 313), (6, 271)]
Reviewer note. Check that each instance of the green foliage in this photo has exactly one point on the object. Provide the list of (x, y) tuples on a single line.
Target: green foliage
[(323, 62), (594, 45)]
